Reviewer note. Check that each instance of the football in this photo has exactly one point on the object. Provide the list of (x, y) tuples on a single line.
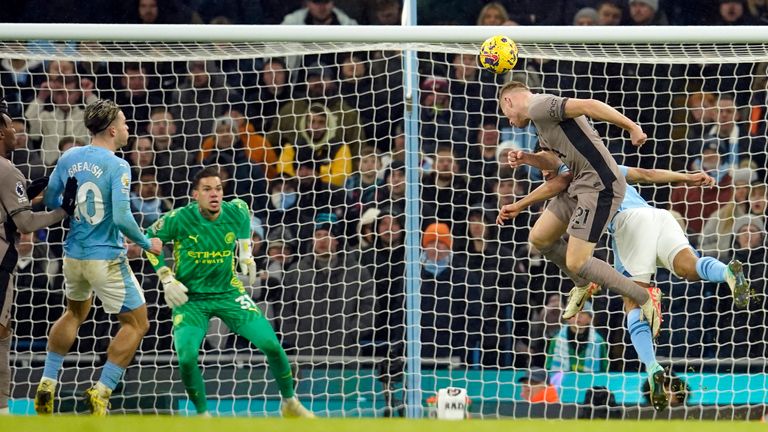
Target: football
[(498, 54)]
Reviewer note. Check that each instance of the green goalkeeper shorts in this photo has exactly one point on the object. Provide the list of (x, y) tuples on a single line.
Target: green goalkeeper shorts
[(235, 308)]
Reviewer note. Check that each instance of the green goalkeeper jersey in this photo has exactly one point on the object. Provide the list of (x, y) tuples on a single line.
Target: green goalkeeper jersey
[(204, 250)]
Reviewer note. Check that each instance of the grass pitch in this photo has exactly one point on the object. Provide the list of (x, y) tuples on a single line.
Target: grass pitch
[(197, 424)]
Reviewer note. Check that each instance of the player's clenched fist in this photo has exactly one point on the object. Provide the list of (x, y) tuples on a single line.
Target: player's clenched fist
[(700, 179), (508, 212), (637, 136), (517, 158), (175, 292)]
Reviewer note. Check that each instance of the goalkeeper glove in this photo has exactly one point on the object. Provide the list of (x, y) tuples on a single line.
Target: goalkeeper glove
[(175, 291), (37, 186), (245, 259), (69, 201)]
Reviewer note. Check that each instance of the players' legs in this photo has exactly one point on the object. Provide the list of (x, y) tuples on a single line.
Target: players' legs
[(686, 265), (6, 300), (547, 237), (641, 335), (186, 341), (579, 260), (63, 334), (260, 333)]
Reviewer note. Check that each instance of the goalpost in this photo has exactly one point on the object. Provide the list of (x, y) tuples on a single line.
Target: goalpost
[(380, 344)]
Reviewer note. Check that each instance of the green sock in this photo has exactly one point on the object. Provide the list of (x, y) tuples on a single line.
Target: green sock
[(187, 341), (260, 333)]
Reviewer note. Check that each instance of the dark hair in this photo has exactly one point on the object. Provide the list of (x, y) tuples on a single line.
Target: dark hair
[(70, 140), (612, 3), (210, 171), (99, 115), (149, 171)]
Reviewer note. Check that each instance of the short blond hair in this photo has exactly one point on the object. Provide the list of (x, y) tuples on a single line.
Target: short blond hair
[(513, 86)]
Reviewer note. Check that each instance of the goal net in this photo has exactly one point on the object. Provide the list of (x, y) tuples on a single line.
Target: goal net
[(312, 136)]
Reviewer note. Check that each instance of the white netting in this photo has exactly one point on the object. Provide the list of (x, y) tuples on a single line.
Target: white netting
[(486, 319)]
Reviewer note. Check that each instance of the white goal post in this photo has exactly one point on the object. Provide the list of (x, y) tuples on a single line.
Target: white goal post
[(651, 74)]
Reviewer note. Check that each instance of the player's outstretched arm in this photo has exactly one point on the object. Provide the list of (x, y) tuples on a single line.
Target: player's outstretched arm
[(27, 221), (121, 212), (662, 176), (544, 192), (603, 112), (543, 160)]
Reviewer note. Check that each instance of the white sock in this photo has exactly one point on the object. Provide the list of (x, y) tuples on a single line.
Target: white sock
[(4, 411)]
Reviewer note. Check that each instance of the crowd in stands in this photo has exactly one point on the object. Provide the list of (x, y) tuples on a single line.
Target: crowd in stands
[(315, 144)]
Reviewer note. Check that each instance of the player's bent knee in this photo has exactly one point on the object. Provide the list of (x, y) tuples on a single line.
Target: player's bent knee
[(271, 347)]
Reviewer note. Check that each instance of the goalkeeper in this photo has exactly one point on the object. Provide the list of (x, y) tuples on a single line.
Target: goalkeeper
[(206, 234)]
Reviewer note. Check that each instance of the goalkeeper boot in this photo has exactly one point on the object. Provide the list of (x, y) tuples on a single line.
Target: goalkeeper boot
[(652, 310), (734, 277), (657, 380), (44, 397), (292, 408), (578, 297), (96, 403)]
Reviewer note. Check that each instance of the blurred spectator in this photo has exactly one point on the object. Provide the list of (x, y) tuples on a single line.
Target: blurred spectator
[(717, 234), (171, 159), (318, 146), (450, 300), (472, 91), (758, 200), (256, 147), (578, 347), (146, 204), (758, 109), (281, 253), (384, 259), (94, 67), (67, 96), (446, 188), (268, 97), (447, 12), (438, 121), (335, 122), (136, 96), (482, 165), (586, 17), (546, 323), (493, 14), (646, 12), (356, 87), (535, 388), (25, 158), (236, 11), (362, 186), (533, 12), (162, 12), (697, 204), (282, 207), (385, 12), (391, 198), (18, 79), (610, 12), (315, 12), (397, 153), (497, 262), (730, 135), (330, 299), (677, 390), (248, 178), (201, 97), (702, 113), (142, 157), (733, 12), (758, 10)]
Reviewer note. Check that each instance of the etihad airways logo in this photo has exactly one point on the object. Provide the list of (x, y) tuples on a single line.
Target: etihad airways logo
[(209, 257)]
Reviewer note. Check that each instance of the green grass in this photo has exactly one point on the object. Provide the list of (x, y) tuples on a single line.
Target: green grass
[(196, 424)]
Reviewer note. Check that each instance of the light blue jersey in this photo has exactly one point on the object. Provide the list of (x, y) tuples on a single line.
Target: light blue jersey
[(632, 199), (103, 212)]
